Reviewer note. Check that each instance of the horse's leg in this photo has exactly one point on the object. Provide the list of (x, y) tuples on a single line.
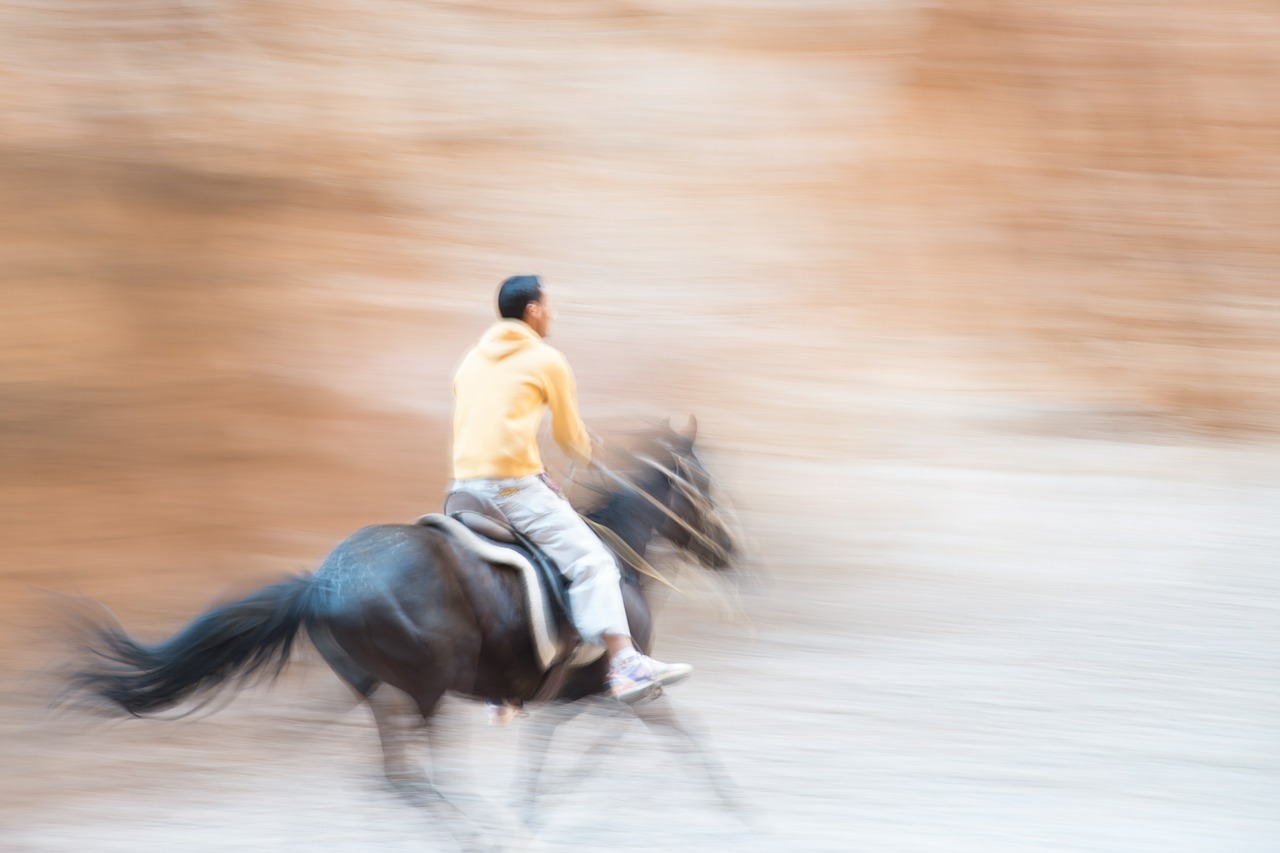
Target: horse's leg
[(539, 731), (659, 715), (616, 715), (390, 707), (541, 728), (362, 682), (396, 715)]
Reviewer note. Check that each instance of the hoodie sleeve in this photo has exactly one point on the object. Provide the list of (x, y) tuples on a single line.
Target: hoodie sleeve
[(562, 398)]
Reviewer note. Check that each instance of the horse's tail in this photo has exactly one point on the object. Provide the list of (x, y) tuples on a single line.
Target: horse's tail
[(232, 641)]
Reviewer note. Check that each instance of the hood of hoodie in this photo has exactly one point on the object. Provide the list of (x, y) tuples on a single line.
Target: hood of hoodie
[(507, 337)]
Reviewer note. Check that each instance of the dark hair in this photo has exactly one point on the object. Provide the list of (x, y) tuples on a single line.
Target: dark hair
[(516, 293)]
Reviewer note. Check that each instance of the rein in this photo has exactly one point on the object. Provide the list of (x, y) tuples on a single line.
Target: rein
[(688, 489), (627, 553)]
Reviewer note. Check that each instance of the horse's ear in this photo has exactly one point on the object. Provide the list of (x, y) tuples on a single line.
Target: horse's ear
[(690, 431)]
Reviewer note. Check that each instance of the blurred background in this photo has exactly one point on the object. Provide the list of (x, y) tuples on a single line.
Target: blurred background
[(975, 304)]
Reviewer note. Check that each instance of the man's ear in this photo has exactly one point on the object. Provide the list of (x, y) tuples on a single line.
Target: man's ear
[(690, 431)]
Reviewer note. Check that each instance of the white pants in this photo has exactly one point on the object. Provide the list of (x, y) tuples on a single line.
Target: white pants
[(595, 594)]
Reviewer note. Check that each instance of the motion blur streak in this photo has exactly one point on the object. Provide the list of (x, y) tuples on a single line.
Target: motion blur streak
[(975, 302)]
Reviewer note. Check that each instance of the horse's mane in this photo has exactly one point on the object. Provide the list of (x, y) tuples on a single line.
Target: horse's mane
[(619, 504)]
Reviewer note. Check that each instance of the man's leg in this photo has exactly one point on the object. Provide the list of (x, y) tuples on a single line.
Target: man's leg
[(595, 594)]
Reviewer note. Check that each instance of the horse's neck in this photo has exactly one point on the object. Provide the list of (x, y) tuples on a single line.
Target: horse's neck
[(632, 517)]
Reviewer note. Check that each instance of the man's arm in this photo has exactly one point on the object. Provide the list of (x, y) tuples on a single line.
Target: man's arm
[(566, 425)]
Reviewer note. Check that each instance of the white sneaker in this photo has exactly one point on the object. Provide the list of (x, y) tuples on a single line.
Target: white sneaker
[(639, 677)]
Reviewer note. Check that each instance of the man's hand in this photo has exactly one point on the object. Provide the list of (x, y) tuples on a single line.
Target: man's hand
[(551, 484)]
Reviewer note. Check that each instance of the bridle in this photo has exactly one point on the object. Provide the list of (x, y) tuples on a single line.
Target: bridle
[(686, 488)]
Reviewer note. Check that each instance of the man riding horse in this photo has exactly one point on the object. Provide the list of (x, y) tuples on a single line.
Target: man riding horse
[(503, 387), (419, 609)]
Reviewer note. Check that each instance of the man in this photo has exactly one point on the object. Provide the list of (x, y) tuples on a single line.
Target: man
[(502, 388)]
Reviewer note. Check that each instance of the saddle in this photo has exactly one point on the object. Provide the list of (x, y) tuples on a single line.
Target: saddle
[(483, 517), (478, 525)]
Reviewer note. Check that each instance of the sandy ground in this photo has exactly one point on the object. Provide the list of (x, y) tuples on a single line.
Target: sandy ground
[(975, 307), (1016, 641)]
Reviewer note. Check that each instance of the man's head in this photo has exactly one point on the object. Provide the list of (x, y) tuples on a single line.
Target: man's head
[(522, 297)]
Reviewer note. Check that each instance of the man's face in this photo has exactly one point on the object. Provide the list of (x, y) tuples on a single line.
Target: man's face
[(538, 314)]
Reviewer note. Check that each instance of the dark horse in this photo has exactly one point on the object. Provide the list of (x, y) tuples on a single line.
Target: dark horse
[(408, 606)]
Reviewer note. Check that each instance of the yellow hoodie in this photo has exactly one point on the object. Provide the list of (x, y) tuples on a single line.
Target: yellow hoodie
[(501, 389)]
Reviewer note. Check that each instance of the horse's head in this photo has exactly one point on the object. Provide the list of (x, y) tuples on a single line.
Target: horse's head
[(692, 522)]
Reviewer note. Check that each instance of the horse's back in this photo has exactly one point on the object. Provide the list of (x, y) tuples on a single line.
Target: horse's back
[(378, 560)]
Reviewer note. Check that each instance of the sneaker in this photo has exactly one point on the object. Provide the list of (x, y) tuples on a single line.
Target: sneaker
[(639, 677)]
